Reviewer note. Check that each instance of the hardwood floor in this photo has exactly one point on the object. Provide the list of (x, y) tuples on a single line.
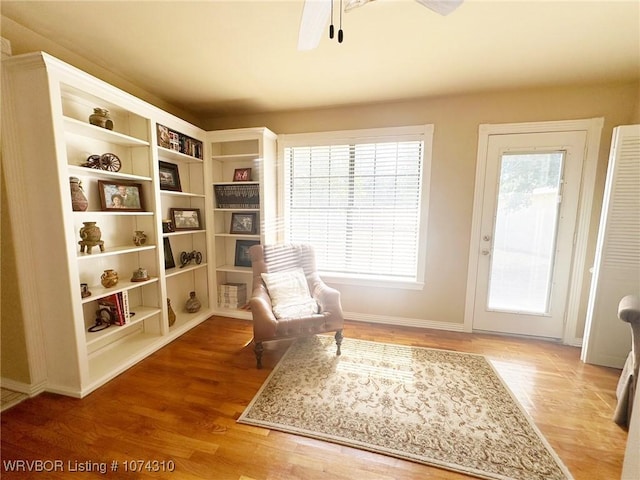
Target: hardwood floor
[(181, 405)]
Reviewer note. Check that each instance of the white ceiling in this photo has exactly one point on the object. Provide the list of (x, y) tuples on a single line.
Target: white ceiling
[(218, 58)]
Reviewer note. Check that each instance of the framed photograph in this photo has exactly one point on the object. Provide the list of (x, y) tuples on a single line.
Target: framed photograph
[(243, 223), (169, 261), (163, 136), (242, 175), (169, 177), (186, 219), (243, 259), (121, 196)]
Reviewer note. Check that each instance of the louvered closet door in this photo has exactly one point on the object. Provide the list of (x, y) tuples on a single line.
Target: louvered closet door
[(617, 264)]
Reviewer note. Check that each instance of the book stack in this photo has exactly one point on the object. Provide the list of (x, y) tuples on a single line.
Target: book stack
[(168, 138), (232, 295), (118, 304)]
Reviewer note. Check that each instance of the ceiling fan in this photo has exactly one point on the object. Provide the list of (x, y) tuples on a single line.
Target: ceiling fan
[(316, 13)]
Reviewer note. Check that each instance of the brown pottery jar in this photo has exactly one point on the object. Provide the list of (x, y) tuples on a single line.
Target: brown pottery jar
[(79, 202), (193, 304), (109, 278), (100, 118)]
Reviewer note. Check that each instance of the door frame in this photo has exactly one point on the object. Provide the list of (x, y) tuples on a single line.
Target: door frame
[(593, 129)]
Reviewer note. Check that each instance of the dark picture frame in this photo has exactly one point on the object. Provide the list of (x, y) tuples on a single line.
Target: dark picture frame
[(243, 224), (186, 219), (242, 175), (169, 261), (243, 259), (121, 196), (169, 177)]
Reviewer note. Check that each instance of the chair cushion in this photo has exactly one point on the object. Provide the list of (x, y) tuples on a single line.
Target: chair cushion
[(289, 293)]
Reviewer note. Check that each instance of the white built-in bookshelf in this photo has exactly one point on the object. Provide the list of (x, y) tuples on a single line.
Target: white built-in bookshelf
[(47, 138), (243, 184)]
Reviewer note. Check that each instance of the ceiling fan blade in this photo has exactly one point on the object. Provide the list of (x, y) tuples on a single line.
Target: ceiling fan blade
[(315, 16), (443, 7)]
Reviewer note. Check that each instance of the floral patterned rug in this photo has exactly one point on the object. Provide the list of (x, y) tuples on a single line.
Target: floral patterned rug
[(436, 407)]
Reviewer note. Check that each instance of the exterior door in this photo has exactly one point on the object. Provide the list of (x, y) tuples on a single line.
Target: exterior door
[(529, 211)]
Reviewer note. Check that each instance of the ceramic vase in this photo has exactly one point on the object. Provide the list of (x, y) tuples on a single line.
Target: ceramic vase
[(139, 238), (172, 314), (100, 118), (90, 233), (79, 202), (193, 304), (109, 278)]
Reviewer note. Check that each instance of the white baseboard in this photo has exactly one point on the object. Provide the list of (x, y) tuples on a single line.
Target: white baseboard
[(575, 342), (29, 389), (403, 321), (422, 323)]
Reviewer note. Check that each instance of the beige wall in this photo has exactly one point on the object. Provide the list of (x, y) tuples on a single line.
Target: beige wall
[(456, 120), (14, 349)]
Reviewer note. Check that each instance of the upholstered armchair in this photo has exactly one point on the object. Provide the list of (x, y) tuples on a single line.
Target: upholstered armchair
[(289, 299), (628, 384)]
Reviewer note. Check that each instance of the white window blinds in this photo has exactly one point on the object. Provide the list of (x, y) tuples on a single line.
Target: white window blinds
[(358, 200)]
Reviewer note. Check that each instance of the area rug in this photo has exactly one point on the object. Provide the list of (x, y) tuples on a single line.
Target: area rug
[(440, 408)]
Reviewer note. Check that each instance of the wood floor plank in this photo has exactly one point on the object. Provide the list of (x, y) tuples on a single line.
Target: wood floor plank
[(181, 404)]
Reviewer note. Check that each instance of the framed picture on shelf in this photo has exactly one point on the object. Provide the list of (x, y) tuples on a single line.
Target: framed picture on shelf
[(243, 223), (243, 259), (242, 175), (186, 219), (163, 136), (120, 196), (174, 141), (169, 261), (169, 177)]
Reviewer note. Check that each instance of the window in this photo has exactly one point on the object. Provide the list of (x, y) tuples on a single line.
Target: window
[(359, 197)]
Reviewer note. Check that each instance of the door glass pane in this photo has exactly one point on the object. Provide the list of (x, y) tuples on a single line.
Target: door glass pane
[(524, 239)]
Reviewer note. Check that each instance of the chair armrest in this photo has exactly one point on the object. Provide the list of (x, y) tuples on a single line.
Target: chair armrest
[(328, 298), (264, 321)]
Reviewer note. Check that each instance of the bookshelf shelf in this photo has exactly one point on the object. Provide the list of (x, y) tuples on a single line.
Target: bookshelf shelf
[(141, 314), (185, 270), (98, 291), (78, 127)]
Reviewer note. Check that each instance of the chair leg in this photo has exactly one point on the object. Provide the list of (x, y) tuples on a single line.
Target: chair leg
[(338, 338), (258, 349)]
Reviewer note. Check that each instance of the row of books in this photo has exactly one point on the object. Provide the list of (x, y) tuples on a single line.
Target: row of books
[(237, 196), (232, 295), (179, 142), (118, 304)]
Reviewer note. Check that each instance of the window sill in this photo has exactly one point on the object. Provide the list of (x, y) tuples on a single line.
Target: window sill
[(368, 281)]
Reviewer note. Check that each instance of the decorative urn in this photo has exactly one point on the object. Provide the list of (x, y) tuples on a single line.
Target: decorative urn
[(100, 118), (90, 235), (109, 278), (171, 313), (79, 201), (139, 238), (193, 304)]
